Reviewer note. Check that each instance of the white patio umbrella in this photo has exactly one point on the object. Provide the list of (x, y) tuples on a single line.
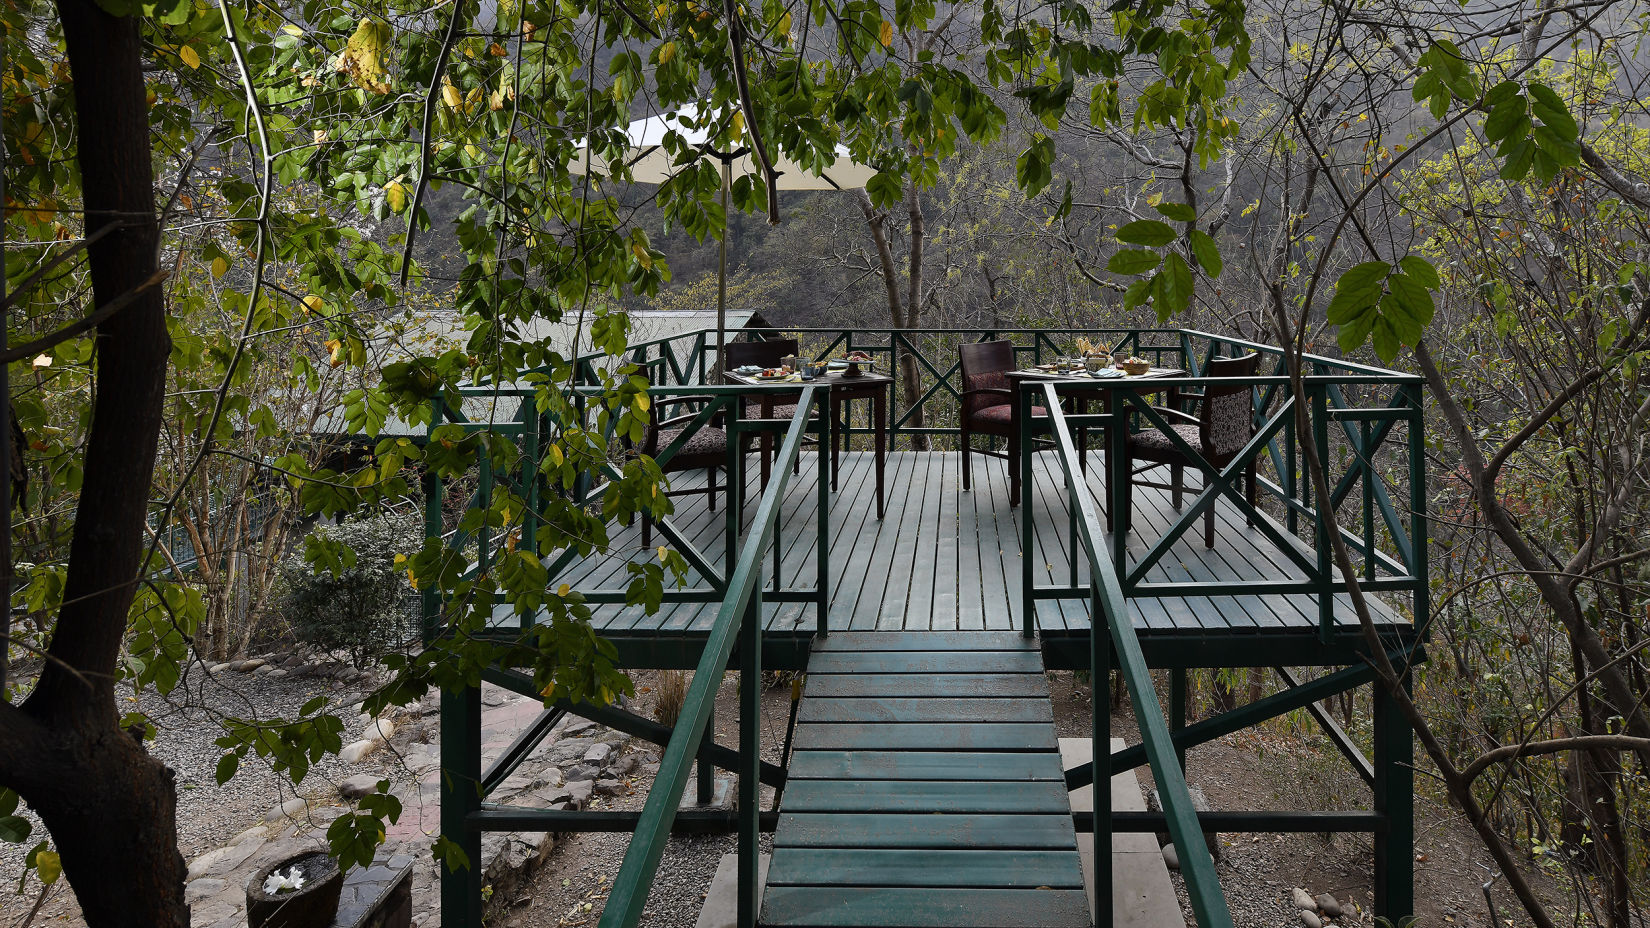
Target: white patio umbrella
[(651, 163)]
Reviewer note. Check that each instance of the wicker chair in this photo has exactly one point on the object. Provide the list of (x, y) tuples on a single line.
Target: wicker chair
[(1224, 424), (766, 353), (988, 408), (706, 449)]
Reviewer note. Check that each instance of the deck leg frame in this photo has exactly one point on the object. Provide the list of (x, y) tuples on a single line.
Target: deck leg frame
[(1394, 803), (460, 797), (750, 754)]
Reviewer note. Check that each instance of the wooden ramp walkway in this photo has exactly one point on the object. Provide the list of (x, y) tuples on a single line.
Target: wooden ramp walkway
[(925, 790)]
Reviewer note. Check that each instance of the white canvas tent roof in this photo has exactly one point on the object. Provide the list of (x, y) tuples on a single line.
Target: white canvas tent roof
[(651, 163)]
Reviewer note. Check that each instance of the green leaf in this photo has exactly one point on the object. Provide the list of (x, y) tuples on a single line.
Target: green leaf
[(227, 765), (1177, 285), (49, 866), (1136, 294), (1385, 340), (1505, 118), (1033, 170), (1206, 252), (884, 189), (14, 829), (1147, 232), (1519, 161), (1179, 212), (1133, 261), (1548, 106), (1422, 270)]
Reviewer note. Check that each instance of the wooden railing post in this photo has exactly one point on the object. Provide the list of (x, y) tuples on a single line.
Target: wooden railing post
[(430, 598), (1028, 532), (1100, 753), (1324, 523), (750, 759)]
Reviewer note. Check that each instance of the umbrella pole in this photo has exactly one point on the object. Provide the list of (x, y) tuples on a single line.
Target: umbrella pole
[(722, 268)]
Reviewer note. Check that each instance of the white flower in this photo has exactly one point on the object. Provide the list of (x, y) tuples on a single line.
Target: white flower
[(277, 883)]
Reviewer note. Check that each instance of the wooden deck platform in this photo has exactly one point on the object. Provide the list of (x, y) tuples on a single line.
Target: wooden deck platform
[(947, 559), (912, 805)]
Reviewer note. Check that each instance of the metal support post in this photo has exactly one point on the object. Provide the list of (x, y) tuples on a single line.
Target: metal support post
[(460, 796), (1394, 798), (750, 756)]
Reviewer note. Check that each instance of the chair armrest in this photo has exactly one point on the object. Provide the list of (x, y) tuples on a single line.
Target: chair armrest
[(996, 390), (1172, 414)]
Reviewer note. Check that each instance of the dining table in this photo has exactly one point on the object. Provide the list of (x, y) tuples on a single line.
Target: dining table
[(1081, 387), (845, 386)]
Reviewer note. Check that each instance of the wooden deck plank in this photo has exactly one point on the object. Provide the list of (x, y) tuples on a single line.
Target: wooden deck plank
[(925, 641), (925, 736), (923, 831), (1023, 685), (926, 662), (976, 869), (925, 765), (955, 797), (815, 907), (925, 709)]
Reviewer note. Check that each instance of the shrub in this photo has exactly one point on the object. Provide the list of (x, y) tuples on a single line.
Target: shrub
[(344, 592)]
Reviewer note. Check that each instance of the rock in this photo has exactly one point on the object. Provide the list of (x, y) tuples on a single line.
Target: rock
[(224, 859), (1302, 899), (276, 673), (256, 831), (202, 888), (575, 726), (220, 666), (263, 670), (292, 662), (598, 753), (292, 808), (362, 784), (1171, 857), (380, 730), (583, 772), (1328, 906), (609, 785), (579, 792), (626, 764), (235, 665), (353, 753), (1311, 919), (249, 665)]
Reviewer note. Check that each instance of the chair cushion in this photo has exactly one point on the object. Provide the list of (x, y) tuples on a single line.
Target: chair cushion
[(1155, 444), (708, 440), (998, 419)]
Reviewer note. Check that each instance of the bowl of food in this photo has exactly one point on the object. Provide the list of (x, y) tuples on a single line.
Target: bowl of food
[(1135, 366), (857, 362)]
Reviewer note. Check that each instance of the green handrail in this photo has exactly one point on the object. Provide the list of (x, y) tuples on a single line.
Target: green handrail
[(739, 616), (1106, 590)]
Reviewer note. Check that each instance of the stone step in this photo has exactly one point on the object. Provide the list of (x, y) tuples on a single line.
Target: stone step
[(1142, 895)]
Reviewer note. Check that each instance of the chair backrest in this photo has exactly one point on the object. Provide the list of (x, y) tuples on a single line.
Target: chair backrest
[(985, 366), (1227, 419), (762, 354)]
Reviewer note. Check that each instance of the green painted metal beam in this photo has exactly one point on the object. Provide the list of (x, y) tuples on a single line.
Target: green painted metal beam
[(635, 878), (1196, 864)]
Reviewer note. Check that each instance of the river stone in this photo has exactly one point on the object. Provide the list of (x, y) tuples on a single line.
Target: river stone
[(598, 753), (362, 784), (1301, 899), (202, 888), (380, 730), (1171, 857), (1328, 906), (251, 664), (1311, 919), (292, 808), (354, 752)]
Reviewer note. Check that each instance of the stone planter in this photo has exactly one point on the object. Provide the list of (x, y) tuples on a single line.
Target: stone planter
[(313, 906)]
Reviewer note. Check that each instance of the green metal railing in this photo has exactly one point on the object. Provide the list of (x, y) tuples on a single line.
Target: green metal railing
[(1107, 610), (739, 618), (528, 493)]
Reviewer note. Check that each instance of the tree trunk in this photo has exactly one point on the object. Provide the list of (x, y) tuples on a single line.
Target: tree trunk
[(110, 806)]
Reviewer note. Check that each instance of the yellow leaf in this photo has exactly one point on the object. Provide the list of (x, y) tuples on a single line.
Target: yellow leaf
[(663, 553), (450, 94), (49, 865), (738, 123), (785, 24), (644, 402), (564, 589), (220, 266), (190, 57), (292, 30), (396, 196), (337, 349), (667, 53), (363, 57), (556, 455), (315, 304), (886, 34)]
